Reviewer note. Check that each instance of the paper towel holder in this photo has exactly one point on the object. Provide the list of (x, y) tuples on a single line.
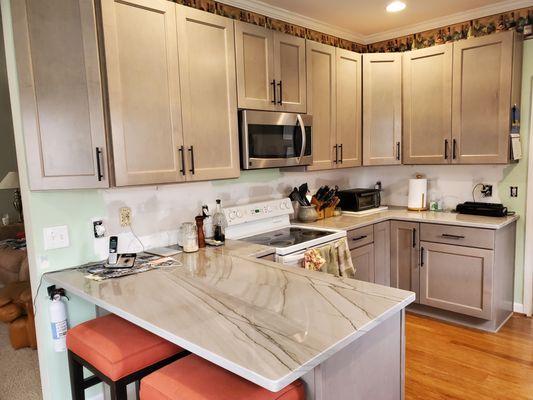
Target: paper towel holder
[(413, 203)]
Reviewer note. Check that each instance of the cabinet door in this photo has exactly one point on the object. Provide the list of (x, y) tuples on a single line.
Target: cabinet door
[(142, 72), (382, 109), (207, 71), (482, 72), (382, 270), (254, 55), (405, 245), (61, 95), (363, 261), (321, 76), (289, 59), (349, 129), (427, 105), (457, 278)]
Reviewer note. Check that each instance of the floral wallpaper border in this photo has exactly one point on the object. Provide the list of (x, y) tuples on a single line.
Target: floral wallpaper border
[(520, 20)]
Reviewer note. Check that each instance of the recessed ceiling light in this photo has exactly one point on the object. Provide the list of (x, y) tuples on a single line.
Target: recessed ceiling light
[(395, 6)]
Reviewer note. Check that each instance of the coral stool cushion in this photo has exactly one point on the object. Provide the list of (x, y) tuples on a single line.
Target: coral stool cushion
[(193, 378), (116, 347)]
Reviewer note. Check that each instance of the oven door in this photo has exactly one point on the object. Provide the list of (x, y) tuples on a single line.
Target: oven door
[(367, 201), (273, 139), (292, 260)]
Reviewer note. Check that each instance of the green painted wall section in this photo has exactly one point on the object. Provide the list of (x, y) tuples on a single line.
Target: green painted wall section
[(516, 174)]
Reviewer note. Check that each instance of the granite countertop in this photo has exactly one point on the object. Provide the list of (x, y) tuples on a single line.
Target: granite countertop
[(349, 222), (268, 323)]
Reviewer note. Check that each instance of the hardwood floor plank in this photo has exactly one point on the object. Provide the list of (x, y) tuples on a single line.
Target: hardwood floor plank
[(448, 362)]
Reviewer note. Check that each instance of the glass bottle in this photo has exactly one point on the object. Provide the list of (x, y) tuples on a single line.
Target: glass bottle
[(219, 223)]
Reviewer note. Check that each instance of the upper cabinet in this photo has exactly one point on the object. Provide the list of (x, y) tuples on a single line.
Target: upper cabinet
[(486, 76), (158, 138), (209, 101), (143, 84), (334, 101), (382, 108), (61, 94), (427, 105), (270, 69)]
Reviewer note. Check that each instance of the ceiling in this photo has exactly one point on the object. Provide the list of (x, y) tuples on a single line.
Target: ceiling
[(367, 19)]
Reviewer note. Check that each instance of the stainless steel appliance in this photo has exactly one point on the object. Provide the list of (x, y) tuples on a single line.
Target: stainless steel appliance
[(275, 139), (267, 223), (359, 199)]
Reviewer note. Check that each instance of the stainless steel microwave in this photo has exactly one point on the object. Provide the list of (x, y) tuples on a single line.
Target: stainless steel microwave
[(275, 139)]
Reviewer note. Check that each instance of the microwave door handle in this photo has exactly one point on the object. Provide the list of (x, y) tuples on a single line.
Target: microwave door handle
[(304, 138)]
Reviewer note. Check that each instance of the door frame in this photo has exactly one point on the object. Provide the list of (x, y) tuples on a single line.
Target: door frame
[(528, 251)]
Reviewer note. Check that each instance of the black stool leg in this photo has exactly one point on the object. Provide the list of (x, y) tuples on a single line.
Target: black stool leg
[(137, 389), (118, 391), (77, 387)]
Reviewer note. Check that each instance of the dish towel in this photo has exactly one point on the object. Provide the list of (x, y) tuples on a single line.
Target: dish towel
[(333, 259)]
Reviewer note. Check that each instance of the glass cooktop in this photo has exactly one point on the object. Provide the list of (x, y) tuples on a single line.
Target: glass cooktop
[(286, 237)]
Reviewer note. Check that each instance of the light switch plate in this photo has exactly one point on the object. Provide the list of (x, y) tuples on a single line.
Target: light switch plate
[(56, 237)]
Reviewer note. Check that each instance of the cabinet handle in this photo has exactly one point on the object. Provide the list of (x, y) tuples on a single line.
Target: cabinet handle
[(414, 238), (448, 236), (445, 149), (98, 164), (336, 147), (342, 154), (421, 256), (454, 149), (355, 239), (280, 101), (273, 83), (182, 153), (398, 151), (191, 150)]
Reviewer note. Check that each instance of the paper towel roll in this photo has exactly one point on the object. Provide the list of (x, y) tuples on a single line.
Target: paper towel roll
[(418, 194)]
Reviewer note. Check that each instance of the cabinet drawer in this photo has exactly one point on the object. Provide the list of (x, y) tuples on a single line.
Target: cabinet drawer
[(457, 235), (361, 236)]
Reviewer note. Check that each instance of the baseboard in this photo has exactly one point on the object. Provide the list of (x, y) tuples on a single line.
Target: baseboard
[(518, 308)]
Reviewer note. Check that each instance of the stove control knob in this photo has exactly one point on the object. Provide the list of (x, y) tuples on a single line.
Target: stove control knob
[(269, 209), (239, 214), (232, 215)]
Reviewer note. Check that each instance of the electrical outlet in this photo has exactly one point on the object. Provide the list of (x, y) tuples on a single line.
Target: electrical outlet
[(98, 229), (56, 237), (514, 191), (125, 216), (486, 191)]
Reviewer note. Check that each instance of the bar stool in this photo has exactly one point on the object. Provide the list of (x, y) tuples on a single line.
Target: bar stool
[(193, 378), (117, 353)]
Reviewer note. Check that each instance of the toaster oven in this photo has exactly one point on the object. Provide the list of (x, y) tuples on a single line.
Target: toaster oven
[(359, 199)]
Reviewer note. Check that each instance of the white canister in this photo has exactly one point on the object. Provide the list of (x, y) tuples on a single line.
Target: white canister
[(418, 194)]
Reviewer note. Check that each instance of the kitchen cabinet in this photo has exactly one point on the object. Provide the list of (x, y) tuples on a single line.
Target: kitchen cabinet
[(456, 278), (363, 261), (486, 85), (143, 84), (404, 253), (209, 106), (334, 101), (427, 105), (156, 137), (382, 108), (271, 69), (382, 270), (58, 65)]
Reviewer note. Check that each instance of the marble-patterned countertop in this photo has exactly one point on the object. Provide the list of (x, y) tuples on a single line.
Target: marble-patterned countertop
[(349, 222), (268, 323)]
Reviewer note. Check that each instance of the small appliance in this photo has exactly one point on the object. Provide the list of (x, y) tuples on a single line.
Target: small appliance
[(359, 199), (275, 139), (486, 209), (267, 223)]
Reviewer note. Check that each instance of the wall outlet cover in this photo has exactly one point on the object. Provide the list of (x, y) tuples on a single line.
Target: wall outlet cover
[(125, 216), (56, 237)]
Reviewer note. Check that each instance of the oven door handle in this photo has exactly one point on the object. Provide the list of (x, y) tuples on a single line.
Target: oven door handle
[(304, 138)]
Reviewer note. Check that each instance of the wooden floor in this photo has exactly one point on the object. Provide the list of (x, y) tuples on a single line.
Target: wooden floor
[(444, 361)]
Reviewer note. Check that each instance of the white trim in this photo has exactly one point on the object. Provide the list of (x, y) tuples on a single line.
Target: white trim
[(295, 18), (528, 251), (518, 308), (324, 27), (99, 396)]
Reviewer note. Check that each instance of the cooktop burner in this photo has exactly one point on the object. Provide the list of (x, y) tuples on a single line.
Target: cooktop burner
[(286, 237)]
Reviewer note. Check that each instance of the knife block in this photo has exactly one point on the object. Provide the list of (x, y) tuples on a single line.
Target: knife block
[(326, 212)]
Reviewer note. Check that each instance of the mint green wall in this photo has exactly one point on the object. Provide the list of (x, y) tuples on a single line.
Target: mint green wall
[(516, 175)]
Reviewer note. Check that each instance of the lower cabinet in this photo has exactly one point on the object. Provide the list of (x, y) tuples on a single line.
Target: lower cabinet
[(363, 261), (382, 253), (404, 256), (456, 278)]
